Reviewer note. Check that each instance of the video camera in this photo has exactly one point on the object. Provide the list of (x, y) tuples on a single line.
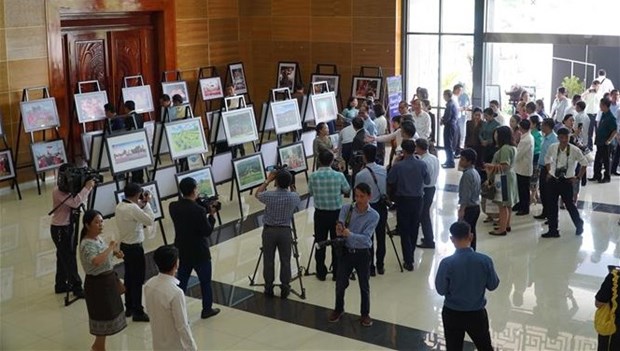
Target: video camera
[(209, 202), (335, 243), (72, 180), (276, 168)]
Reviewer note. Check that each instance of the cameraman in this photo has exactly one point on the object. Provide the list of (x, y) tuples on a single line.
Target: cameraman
[(280, 204), (326, 186), (356, 223), (63, 234), (192, 227), (375, 176), (132, 214)]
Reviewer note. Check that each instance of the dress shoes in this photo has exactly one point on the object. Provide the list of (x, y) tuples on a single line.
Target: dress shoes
[(381, 270), (408, 266), (373, 272), (540, 216), (334, 317), (594, 179), (522, 213), (140, 317), (604, 180), (508, 229), (446, 166), (579, 230), (79, 293), (320, 277), (493, 232), (366, 321), (615, 173), (550, 235), (426, 246), (269, 292), (209, 313), (285, 291)]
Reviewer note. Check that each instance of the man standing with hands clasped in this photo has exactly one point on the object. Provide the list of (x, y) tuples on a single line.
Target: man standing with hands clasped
[(356, 223), (463, 279)]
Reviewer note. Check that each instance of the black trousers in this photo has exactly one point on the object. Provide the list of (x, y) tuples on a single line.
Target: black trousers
[(407, 221), (564, 188), (324, 224), (379, 235), (542, 186), (279, 238), (425, 218), (601, 160), (523, 184), (474, 323), (609, 343), (616, 158), (67, 276), (471, 215), (134, 276), (591, 129), (347, 262)]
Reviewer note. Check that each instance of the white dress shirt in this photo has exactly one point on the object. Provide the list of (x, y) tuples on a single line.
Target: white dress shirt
[(560, 159), (165, 304), (347, 134), (432, 166), (130, 220), (381, 124), (606, 85), (558, 111), (422, 124), (524, 161), (592, 101), (582, 117)]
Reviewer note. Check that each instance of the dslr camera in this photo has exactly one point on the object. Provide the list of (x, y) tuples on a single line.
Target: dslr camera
[(209, 202), (276, 168), (72, 180), (560, 173)]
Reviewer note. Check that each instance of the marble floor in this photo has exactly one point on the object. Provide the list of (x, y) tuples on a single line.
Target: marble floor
[(545, 300)]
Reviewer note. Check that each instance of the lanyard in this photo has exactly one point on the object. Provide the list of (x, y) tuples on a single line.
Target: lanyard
[(557, 158)]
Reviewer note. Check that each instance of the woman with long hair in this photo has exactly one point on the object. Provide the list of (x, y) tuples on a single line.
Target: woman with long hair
[(514, 126), (101, 286), (502, 168)]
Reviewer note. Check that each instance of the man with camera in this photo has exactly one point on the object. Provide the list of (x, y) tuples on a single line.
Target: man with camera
[(63, 233), (375, 176), (132, 214), (193, 223), (280, 204), (326, 186), (356, 224), (561, 161)]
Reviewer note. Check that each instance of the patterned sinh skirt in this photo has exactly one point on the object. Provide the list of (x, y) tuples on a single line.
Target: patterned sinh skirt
[(104, 303)]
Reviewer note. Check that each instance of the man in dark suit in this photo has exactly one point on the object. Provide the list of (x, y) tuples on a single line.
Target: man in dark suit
[(192, 227)]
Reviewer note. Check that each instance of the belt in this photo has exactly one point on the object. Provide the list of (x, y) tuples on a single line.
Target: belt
[(320, 210), (472, 206), (348, 250), (132, 245), (277, 226)]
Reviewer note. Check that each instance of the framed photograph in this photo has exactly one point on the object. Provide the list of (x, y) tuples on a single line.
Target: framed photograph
[(364, 85), (238, 78), (324, 107), (269, 150), (215, 122), (286, 116), (221, 166), (97, 149), (174, 88), (39, 114), (103, 199), (204, 178), (294, 157), (266, 112), (249, 171), (87, 142), (165, 181), (286, 75), (89, 106), (211, 88), (141, 95), (333, 81), (307, 138), (159, 140), (155, 202), (185, 137), (149, 128), (195, 162), (6, 165), (129, 151), (240, 126), (48, 155)]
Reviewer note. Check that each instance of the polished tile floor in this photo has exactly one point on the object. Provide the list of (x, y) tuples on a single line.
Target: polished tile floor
[(545, 300)]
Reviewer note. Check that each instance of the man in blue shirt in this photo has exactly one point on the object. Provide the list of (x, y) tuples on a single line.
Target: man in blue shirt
[(375, 176), (405, 183), (605, 133), (463, 279), (356, 223), (449, 122), (549, 137)]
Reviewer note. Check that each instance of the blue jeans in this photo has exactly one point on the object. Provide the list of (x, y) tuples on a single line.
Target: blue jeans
[(203, 270)]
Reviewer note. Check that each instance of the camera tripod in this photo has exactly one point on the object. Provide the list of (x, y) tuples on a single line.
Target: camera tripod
[(298, 275)]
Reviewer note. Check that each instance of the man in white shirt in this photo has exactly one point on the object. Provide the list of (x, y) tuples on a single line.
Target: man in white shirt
[(524, 167), (560, 105), (582, 121), (421, 120), (500, 118), (561, 161), (606, 84), (614, 96), (132, 214), (432, 165), (165, 302), (592, 99)]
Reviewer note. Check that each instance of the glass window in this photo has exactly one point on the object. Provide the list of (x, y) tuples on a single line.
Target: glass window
[(457, 59), (423, 16), (457, 16), (422, 65)]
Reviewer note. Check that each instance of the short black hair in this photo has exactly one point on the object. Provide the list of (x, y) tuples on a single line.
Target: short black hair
[(132, 189), (576, 97), (566, 117), (494, 102), (530, 107), (283, 179), (601, 72), (358, 123), (379, 110), (535, 120), (563, 131), (457, 86), (370, 152), (165, 97), (319, 127), (363, 187), (581, 104), (187, 186), (525, 124), (109, 108), (460, 230), (504, 136), (606, 102), (177, 98), (489, 112), (130, 105), (614, 91), (549, 122), (396, 119), (408, 146), (475, 110), (326, 158), (469, 155), (422, 144), (408, 128), (447, 93), (166, 257), (562, 90)]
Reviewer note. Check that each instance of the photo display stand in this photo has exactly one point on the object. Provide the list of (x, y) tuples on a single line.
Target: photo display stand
[(235, 75), (186, 139), (281, 114), (241, 105), (328, 72), (209, 89), (40, 119), (128, 152), (365, 82), (88, 107), (288, 75), (205, 182), (7, 162), (249, 173), (138, 81)]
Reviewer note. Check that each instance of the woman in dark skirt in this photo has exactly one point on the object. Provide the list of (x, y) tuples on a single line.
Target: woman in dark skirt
[(101, 286)]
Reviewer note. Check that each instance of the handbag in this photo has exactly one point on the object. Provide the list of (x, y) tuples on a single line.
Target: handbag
[(487, 189), (605, 316), (383, 198)]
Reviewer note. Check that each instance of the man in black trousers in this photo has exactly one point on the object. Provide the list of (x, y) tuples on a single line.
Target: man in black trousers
[(605, 133)]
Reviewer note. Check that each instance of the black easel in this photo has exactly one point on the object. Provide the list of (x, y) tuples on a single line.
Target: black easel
[(319, 70), (296, 79), (378, 73), (229, 80), (274, 95), (12, 164), (80, 85)]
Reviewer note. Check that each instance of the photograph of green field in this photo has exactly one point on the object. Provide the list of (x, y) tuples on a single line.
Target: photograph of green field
[(249, 171), (203, 179), (186, 138)]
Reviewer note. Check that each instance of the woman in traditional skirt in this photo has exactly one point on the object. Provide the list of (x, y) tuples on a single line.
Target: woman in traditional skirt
[(101, 286)]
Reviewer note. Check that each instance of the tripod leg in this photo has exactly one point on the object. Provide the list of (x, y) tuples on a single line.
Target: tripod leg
[(253, 277), (389, 233), (310, 258), (295, 250)]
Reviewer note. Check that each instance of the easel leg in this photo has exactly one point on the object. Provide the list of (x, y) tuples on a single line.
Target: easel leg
[(389, 233), (307, 272), (253, 277), (163, 232)]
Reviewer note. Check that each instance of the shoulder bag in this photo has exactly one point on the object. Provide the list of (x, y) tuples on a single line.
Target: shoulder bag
[(605, 316)]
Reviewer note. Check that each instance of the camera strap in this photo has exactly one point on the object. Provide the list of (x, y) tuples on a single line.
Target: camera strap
[(374, 177), (557, 157), (347, 219)]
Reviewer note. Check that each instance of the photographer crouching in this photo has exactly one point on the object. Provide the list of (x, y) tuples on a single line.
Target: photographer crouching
[(66, 202), (280, 204), (356, 224)]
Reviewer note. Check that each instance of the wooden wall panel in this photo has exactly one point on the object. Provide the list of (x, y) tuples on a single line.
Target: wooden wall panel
[(2, 44), (25, 43), (372, 55), (374, 8), (249, 8), (290, 8), (31, 73), (255, 28), (222, 9), (4, 76), (24, 13), (373, 30), (290, 28), (332, 53), (333, 7), (222, 53), (332, 29), (192, 32), (191, 9), (190, 57), (224, 29)]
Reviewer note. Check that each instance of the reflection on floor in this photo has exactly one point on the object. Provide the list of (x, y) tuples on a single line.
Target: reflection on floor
[(544, 302)]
